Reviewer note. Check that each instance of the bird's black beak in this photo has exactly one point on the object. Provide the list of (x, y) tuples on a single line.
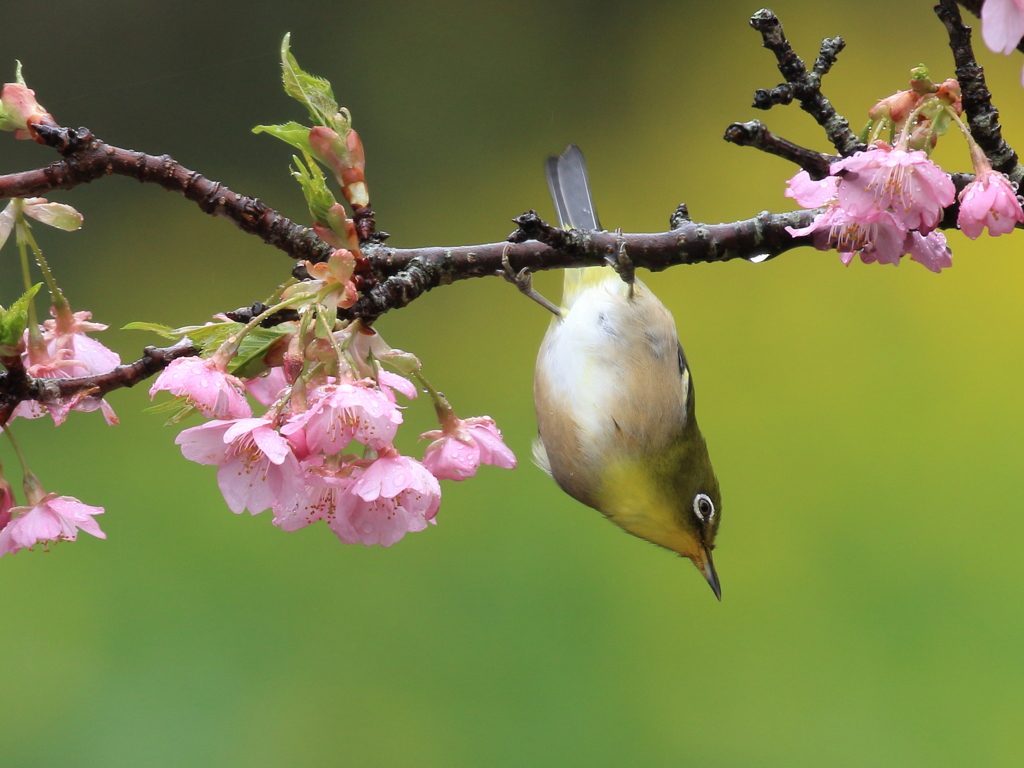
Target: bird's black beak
[(710, 574)]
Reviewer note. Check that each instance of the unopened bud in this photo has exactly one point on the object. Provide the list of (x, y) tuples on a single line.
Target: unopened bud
[(896, 107), (19, 109), (949, 92), (344, 155), (337, 229)]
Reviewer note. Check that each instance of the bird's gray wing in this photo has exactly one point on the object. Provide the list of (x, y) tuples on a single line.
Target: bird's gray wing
[(570, 189)]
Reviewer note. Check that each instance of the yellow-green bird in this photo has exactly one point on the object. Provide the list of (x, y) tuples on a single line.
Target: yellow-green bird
[(615, 404)]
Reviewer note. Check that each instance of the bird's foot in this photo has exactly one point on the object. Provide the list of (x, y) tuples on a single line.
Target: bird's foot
[(622, 264), (523, 280)]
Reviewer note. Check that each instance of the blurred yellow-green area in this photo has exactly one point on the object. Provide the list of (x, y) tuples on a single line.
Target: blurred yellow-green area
[(866, 423)]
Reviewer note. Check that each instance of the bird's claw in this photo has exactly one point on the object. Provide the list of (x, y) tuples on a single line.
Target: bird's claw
[(622, 264), (523, 280)]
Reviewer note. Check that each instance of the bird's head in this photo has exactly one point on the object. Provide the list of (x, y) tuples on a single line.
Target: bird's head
[(670, 498)]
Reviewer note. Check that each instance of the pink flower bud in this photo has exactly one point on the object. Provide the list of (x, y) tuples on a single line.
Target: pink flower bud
[(19, 109), (949, 92), (896, 107), (345, 157)]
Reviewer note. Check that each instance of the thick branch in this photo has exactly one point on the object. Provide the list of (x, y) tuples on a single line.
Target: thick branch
[(982, 116), (16, 385), (755, 134), (86, 158), (418, 270), (802, 85)]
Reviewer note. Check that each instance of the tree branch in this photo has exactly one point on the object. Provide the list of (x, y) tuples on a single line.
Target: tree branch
[(802, 85), (86, 159), (418, 270), (16, 385), (398, 276), (755, 134), (982, 116)]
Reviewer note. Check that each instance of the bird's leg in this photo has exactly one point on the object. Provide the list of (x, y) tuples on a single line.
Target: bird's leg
[(523, 280), (622, 264)]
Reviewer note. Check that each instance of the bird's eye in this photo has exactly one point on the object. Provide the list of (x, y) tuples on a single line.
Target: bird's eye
[(703, 507)]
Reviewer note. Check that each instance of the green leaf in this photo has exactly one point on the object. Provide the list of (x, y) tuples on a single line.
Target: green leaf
[(15, 319), (164, 330), (249, 362), (326, 317), (941, 123), (174, 404), (178, 407), (207, 337), (292, 133), (18, 77), (314, 188), (314, 92)]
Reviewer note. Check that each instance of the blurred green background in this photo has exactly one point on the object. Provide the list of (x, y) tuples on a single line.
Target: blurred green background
[(866, 423)]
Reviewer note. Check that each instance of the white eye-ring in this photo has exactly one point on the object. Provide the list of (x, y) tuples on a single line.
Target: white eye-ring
[(703, 507)]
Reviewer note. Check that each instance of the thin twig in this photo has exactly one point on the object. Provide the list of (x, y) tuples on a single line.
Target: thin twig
[(805, 87), (86, 159), (755, 134)]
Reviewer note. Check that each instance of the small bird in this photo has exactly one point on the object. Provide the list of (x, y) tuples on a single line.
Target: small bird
[(615, 403)]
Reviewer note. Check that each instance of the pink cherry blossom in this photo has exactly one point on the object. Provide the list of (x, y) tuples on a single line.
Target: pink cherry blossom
[(269, 387), (1002, 24), (67, 352), (812, 194), (929, 250), (257, 469), (214, 392), (463, 445), (67, 331), (340, 413), (883, 179), (316, 500), (395, 495), (876, 241), (53, 518), (989, 201)]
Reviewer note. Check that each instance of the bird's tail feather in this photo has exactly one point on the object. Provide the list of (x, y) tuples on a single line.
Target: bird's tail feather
[(570, 191)]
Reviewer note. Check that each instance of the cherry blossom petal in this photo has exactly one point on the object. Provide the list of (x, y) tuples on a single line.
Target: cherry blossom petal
[(812, 194), (269, 387), (1002, 25), (929, 250), (389, 380)]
